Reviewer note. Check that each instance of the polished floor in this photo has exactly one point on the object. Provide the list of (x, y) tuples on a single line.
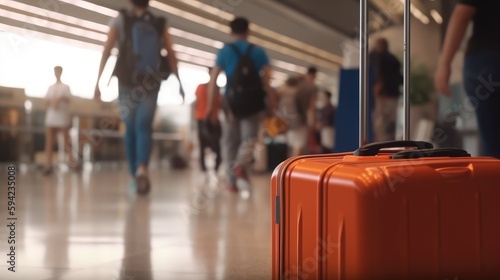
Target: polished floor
[(91, 225)]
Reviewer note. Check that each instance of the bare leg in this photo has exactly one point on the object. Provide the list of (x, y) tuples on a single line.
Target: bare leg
[(49, 147), (296, 151), (67, 148)]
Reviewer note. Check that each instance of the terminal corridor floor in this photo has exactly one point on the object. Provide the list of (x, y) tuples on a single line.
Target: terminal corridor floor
[(92, 225)]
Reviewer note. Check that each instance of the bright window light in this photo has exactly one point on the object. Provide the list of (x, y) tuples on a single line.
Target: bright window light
[(14, 73), (293, 53), (189, 16), (288, 66), (40, 75), (60, 50)]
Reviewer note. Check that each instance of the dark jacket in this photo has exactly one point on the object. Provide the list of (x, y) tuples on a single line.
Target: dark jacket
[(386, 68)]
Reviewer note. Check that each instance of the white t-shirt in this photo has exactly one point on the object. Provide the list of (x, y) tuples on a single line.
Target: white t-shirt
[(58, 117)]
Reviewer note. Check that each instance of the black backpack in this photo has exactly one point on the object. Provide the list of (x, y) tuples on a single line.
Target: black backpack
[(246, 95), (139, 61)]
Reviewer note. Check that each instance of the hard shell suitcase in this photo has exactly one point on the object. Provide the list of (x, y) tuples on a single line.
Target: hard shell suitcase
[(418, 213), (276, 153), (386, 217)]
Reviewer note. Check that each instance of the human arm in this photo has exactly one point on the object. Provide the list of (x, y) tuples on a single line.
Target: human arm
[(172, 58), (108, 46), (212, 89), (455, 33), (48, 99), (311, 113), (272, 97)]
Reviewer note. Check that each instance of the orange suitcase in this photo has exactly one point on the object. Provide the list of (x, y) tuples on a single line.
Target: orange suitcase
[(387, 217), (417, 213)]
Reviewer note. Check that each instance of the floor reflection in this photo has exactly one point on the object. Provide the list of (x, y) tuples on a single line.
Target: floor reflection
[(91, 225), (136, 263)]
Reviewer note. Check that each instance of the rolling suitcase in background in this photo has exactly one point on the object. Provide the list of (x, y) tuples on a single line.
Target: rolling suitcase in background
[(419, 213), (277, 152)]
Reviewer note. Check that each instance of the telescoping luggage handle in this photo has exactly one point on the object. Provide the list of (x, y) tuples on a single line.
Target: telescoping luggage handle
[(426, 153), (363, 76), (373, 149)]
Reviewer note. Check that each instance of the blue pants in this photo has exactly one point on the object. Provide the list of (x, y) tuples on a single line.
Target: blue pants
[(137, 108), (482, 84)]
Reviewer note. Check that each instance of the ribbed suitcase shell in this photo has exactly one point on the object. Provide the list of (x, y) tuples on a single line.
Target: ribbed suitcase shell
[(352, 217)]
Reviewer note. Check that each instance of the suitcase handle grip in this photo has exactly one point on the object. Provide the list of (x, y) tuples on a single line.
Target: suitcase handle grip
[(374, 148), (446, 152)]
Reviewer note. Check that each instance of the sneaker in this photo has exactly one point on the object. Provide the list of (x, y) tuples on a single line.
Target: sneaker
[(47, 171), (232, 188), (240, 173), (142, 181)]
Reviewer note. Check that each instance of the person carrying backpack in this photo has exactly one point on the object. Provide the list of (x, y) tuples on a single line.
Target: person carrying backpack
[(140, 69), (248, 74)]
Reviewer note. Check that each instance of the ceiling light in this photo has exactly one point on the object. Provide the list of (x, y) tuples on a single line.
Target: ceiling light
[(204, 40), (267, 32), (48, 37), (194, 52), (32, 21), (417, 13), (92, 7), (54, 15), (195, 38), (436, 16)]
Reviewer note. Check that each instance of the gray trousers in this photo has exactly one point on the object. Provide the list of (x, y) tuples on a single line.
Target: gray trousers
[(384, 118), (239, 139)]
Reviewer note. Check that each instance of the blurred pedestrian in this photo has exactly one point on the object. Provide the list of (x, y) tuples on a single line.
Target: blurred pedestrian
[(209, 129), (140, 69), (248, 74), (325, 123), (386, 69), (296, 106), (481, 71), (58, 119)]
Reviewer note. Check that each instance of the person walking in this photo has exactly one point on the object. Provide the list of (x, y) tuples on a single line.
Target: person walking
[(58, 119), (248, 74), (387, 79), (325, 121), (140, 69), (209, 130), (481, 71)]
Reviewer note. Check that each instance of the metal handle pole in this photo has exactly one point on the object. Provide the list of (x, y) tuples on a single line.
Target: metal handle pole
[(363, 73), (406, 71)]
